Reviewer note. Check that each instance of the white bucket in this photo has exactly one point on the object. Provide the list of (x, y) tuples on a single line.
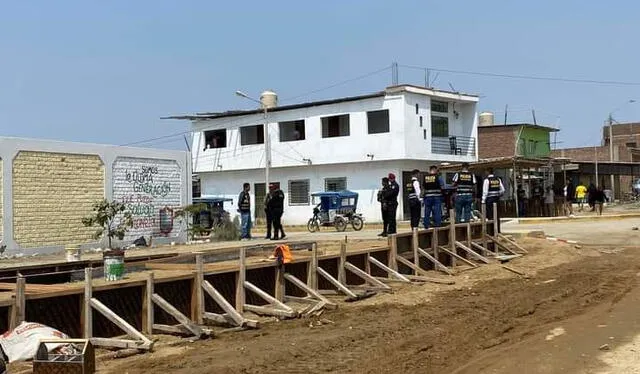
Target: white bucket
[(73, 253), (113, 267)]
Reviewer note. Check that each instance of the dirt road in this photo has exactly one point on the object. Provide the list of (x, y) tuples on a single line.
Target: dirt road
[(491, 321)]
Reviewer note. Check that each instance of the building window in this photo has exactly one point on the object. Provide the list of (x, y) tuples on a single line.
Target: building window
[(631, 144), (299, 192), (417, 108), (215, 139), (290, 131), (439, 106), (195, 187), (439, 127), (252, 135), (424, 134), (378, 121), (335, 126), (420, 121), (335, 184)]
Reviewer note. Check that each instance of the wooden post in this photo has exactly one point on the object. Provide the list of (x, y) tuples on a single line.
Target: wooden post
[(147, 306), (312, 272), (279, 288), (469, 239), (88, 295), (342, 274), (393, 252), (434, 243), (240, 279), (452, 235), (496, 220), (199, 292), (18, 310), (484, 225), (414, 244)]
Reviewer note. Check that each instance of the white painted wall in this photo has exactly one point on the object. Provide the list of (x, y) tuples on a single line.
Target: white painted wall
[(148, 186), (363, 178), (405, 139)]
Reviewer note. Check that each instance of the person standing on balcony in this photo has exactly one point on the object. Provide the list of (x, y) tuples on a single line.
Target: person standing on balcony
[(244, 208), (492, 189), (465, 184), (433, 187), (391, 198), (413, 192)]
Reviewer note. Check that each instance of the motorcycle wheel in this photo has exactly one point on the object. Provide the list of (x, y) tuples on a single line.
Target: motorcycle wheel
[(357, 223), (312, 225), (340, 224)]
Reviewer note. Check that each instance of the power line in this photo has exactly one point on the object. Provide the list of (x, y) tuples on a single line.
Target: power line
[(519, 76)]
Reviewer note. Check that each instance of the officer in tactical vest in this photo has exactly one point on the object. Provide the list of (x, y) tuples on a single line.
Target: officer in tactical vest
[(432, 191), (412, 191), (465, 184), (492, 189)]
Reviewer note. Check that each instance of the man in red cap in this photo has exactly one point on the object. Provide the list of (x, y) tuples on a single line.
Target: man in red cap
[(391, 199)]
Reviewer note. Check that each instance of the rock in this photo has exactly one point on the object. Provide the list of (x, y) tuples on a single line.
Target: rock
[(577, 246), (604, 347), (635, 228)]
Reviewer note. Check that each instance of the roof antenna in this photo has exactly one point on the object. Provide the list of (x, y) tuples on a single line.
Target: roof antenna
[(452, 89)]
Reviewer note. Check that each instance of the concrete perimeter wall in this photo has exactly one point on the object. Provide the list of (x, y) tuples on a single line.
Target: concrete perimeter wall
[(48, 187)]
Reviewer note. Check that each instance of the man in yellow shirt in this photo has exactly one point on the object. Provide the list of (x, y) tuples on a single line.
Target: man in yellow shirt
[(581, 195)]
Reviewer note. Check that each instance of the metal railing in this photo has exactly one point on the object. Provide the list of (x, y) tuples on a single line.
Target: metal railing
[(454, 145)]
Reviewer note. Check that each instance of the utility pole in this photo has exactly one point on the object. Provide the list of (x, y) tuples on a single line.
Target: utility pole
[(595, 152), (613, 187)]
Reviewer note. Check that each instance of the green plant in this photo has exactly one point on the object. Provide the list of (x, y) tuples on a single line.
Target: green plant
[(105, 214), (228, 230), (187, 213)]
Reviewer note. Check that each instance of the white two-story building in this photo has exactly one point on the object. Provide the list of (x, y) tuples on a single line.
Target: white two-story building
[(346, 143)]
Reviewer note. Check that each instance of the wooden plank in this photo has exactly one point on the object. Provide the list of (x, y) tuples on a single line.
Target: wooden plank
[(312, 274), (178, 329), (446, 250), (336, 283), (513, 270), (414, 246), (147, 306), (366, 277), (266, 297), (411, 265), (115, 319), (236, 317), (302, 300), (393, 252), (240, 278), (342, 274), (469, 238), (430, 279), (437, 263), (199, 294), (512, 242), (19, 303), (121, 343), (476, 245), (389, 271), (311, 292), (497, 243), (279, 288), (265, 310), (484, 225), (88, 296), (434, 243), (496, 220), (452, 235), (472, 252), (175, 313)]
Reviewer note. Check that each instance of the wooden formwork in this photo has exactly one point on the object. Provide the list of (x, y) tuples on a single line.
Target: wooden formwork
[(189, 296)]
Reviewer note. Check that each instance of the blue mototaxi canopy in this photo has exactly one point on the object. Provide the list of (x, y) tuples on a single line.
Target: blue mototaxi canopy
[(199, 200), (340, 194)]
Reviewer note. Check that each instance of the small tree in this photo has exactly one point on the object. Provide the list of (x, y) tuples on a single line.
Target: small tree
[(104, 216), (187, 213)]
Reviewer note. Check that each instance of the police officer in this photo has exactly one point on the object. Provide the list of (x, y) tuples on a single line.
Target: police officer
[(244, 208), (412, 191), (432, 187), (383, 206), (492, 189), (276, 208), (465, 184), (391, 199)]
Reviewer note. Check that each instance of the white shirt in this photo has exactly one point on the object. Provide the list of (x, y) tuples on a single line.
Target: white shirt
[(416, 186), (485, 188)]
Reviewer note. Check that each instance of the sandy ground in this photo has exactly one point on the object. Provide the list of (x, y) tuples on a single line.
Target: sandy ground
[(556, 319)]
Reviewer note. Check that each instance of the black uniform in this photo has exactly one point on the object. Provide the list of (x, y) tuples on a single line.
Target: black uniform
[(383, 208), (414, 202), (493, 196), (391, 199), (268, 215), (276, 207)]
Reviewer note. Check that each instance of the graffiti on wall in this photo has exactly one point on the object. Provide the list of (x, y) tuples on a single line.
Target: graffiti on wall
[(152, 190)]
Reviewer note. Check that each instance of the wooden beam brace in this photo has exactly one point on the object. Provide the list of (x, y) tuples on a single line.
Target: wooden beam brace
[(437, 263), (497, 243), (236, 317), (389, 271), (265, 310), (485, 250), (411, 266), (175, 313), (225, 319), (336, 283), (366, 277), (311, 292), (512, 242), (446, 250), (472, 253), (121, 343), (419, 278), (115, 319), (178, 329), (266, 297)]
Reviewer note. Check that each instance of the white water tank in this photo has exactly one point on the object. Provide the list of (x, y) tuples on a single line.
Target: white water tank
[(485, 119), (269, 99)]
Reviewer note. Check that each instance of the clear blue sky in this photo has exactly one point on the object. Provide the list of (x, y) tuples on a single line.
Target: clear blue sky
[(107, 71)]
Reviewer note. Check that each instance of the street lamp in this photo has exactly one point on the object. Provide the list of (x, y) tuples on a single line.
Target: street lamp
[(610, 122), (265, 104)]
